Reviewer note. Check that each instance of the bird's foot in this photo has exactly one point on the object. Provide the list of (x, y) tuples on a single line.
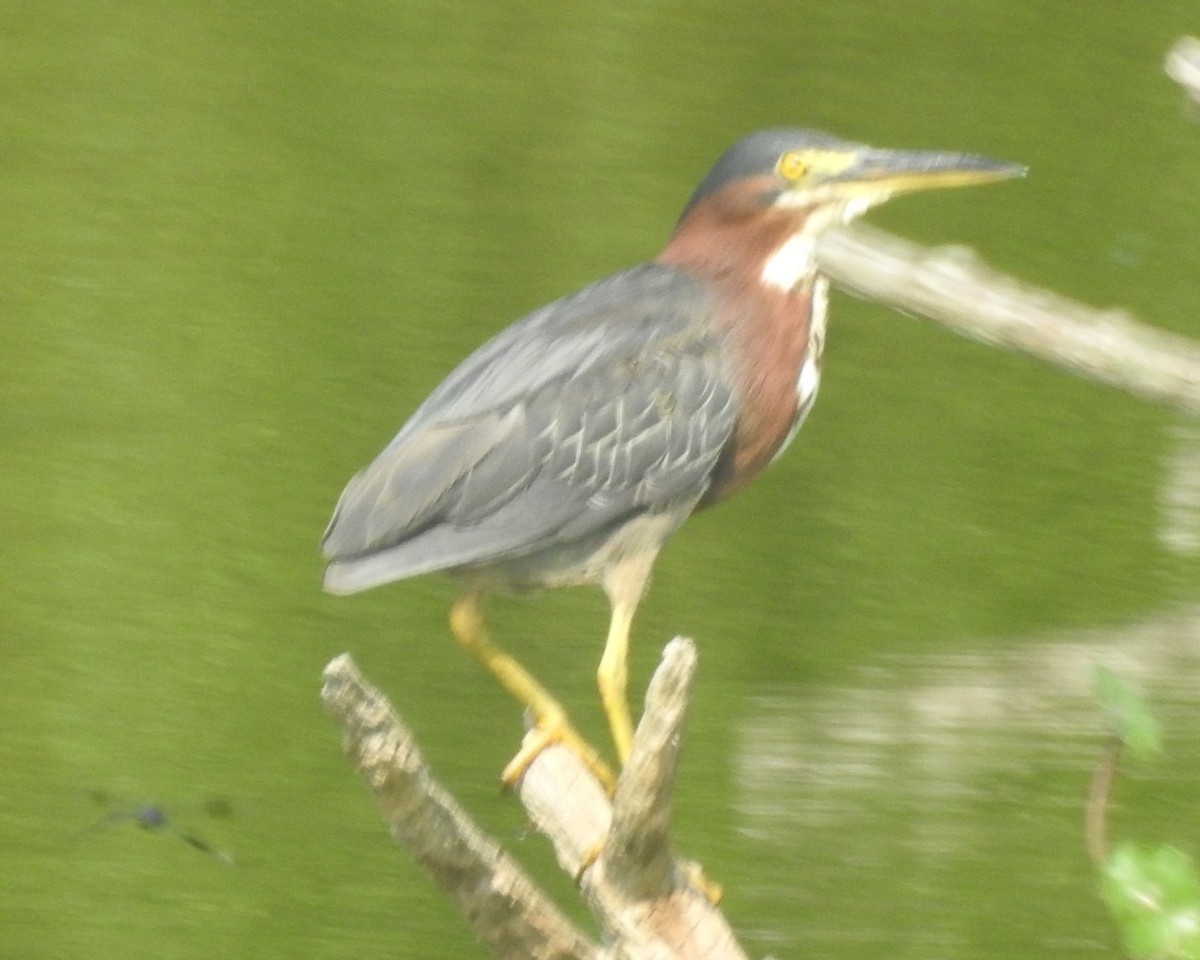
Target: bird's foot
[(590, 856), (549, 731), (711, 891), (693, 874)]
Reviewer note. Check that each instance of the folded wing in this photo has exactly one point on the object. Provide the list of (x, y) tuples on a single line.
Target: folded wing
[(601, 406)]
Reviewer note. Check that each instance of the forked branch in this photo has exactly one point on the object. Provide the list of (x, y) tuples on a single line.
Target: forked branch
[(641, 896)]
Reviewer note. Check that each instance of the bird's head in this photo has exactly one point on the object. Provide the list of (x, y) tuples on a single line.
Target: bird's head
[(774, 192)]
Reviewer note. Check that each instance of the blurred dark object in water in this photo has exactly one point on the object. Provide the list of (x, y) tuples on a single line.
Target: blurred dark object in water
[(153, 816)]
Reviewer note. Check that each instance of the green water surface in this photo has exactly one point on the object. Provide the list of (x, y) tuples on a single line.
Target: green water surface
[(239, 244)]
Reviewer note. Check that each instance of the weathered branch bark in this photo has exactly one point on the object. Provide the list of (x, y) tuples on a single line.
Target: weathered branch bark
[(503, 906), (640, 894), (1183, 66), (957, 291)]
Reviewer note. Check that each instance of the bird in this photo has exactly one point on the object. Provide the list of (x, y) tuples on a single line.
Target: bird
[(568, 448)]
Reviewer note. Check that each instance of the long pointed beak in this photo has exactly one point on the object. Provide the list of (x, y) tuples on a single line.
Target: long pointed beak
[(901, 171)]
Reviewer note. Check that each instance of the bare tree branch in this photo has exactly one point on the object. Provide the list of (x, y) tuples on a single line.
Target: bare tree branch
[(1183, 66), (638, 849), (643, 896), (640, 894), (503, 906), (957, 291)]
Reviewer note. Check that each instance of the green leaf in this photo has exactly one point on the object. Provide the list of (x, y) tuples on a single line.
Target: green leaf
[(1127, 714), (1154, 894)]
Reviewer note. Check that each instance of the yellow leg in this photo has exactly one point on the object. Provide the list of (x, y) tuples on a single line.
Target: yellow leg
[(625, 584), (466, 622), (613, 675)]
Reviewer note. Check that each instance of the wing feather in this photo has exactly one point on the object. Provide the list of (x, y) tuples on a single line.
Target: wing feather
[(605, 404)]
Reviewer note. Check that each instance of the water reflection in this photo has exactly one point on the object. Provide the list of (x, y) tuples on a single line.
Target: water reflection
[(958, 713), (154, 817), (1179, 496), (948, 789)]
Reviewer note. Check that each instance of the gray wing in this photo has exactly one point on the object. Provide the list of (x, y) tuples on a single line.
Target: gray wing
[(609, 403)]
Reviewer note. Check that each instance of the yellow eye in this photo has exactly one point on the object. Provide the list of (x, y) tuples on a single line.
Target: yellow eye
[(792, 165)]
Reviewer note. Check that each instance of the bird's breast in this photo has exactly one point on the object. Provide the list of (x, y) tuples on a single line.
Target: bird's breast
[(774, 342)]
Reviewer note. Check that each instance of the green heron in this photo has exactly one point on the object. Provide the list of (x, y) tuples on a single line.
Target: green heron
[(568, 448)]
